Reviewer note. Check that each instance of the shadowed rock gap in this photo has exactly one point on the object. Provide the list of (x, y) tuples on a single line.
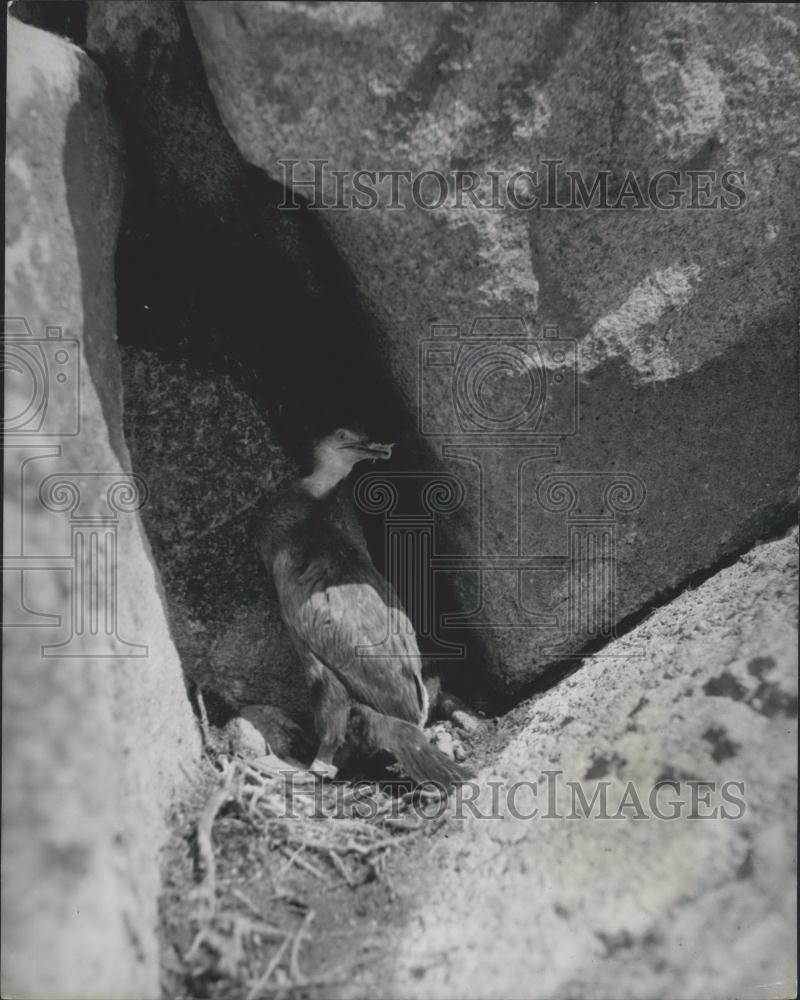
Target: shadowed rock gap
[(242, 337), (215, 303)]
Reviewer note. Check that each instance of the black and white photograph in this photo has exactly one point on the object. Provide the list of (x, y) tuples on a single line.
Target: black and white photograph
[(401, 463)]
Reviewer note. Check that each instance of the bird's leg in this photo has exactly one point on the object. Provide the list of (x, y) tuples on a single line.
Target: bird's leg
[(331, 706)]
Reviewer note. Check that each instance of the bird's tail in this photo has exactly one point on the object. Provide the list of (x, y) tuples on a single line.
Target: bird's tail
[(417, 757)]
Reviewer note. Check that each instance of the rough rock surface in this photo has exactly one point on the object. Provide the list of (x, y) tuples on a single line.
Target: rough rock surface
[(94, 744), (686, 319), (206, 454), (631, 907)]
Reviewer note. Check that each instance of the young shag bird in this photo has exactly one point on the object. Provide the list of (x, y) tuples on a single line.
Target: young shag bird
[(336, 605)]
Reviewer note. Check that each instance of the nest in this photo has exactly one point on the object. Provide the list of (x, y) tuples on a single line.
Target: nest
[(270, 842)]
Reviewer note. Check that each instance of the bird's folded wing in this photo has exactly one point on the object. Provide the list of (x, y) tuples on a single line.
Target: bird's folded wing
[(368, 643)]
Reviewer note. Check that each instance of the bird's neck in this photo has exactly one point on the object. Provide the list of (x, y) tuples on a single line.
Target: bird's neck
[(322, 481)]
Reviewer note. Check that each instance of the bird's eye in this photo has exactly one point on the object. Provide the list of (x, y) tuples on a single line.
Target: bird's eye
[(341, 435)]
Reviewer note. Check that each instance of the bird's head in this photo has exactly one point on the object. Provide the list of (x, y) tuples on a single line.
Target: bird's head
[(336, 454)]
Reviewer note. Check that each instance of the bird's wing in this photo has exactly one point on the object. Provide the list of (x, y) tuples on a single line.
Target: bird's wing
[(341, 609)]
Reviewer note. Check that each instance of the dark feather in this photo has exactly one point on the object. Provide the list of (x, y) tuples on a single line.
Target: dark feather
[(344, 612), (351, 632)]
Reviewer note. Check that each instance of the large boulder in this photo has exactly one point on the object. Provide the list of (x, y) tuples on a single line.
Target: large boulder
[(684, 888), (98, 734), (684, 320)]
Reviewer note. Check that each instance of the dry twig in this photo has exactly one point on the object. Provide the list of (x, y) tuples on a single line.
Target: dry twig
[(205, 731), (273, 963), (294, 968), (207, 890)]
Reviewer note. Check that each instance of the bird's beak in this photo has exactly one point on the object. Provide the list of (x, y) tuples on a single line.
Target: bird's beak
[(370, 449)]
